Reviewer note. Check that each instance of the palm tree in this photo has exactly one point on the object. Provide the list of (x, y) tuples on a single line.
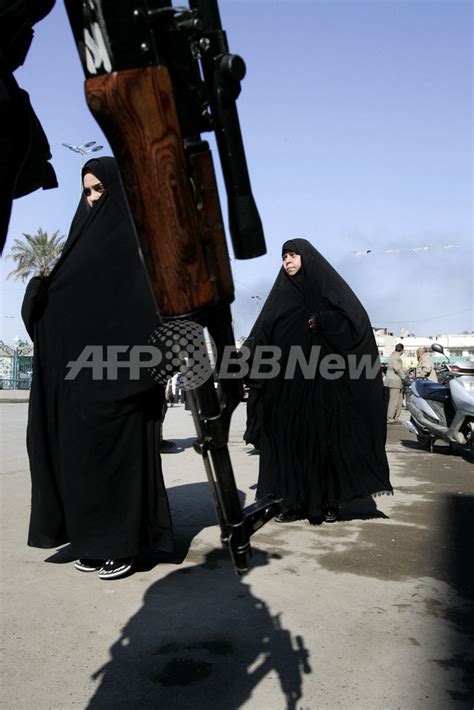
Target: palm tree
[(36, 254)]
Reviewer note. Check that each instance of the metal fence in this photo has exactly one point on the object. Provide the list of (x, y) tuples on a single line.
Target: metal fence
[(16, 367)]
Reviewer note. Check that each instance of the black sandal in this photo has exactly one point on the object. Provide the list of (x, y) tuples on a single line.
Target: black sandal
[(290, 515), (330, 514)]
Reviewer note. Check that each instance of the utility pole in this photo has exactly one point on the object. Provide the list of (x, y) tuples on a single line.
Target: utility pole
[(83, 150)]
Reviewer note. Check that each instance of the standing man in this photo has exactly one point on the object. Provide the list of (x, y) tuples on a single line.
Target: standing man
[(175, 388), (394, 381), (425, 367)]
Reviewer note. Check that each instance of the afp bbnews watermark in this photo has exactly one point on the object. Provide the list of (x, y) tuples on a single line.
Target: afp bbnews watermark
[(180, 347)]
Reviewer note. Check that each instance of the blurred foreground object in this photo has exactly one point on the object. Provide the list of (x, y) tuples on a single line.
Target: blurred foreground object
[(24, 148)]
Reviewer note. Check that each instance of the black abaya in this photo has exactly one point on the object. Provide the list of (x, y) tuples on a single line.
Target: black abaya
[(322, 441), (94, 443)]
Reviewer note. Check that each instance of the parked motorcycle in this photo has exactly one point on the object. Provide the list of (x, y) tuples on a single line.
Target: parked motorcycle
[(443, 410)]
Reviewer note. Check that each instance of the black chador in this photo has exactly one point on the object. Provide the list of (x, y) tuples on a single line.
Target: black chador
[(321, 437), (93, 441)]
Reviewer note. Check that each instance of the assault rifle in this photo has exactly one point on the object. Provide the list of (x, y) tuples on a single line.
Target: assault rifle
[(157, 76)]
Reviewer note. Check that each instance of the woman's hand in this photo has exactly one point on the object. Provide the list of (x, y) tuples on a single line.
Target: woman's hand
[(312, 323)]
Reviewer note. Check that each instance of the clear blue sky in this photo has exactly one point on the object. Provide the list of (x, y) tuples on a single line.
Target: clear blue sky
[(357, 123)]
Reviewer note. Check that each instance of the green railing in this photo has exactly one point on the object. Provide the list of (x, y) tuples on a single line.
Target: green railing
[(16, 367)]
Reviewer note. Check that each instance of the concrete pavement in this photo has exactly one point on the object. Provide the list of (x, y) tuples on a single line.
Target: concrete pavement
[(9, 396), (374, 611)]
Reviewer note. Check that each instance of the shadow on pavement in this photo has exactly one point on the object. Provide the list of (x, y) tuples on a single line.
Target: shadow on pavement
[(457, 557), (460, 544), (361, 509), (201, 640), (441, 448), (62, 556), (183, 444), (192, 510)]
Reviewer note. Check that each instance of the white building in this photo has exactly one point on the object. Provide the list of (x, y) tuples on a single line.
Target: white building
[(456, 345)]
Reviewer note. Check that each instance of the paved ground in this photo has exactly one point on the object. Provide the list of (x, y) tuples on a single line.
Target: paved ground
[(374, 611)]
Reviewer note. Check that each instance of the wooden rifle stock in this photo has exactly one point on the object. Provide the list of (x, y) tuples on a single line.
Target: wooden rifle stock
[(178, 220)]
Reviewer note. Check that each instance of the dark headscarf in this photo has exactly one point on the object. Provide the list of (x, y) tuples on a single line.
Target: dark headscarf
[(342, 323), (329, 432), (99, 283)]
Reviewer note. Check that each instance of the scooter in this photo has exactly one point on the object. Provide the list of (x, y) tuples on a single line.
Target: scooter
[(443, 410)]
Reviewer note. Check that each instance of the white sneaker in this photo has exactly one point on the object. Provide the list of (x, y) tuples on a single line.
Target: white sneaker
[(88, 565), (112, 569)]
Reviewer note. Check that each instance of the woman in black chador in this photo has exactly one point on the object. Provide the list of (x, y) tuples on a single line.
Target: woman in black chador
[(93, 440), (321, 438)]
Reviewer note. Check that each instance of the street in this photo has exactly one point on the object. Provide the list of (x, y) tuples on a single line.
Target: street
[(373, 611)]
